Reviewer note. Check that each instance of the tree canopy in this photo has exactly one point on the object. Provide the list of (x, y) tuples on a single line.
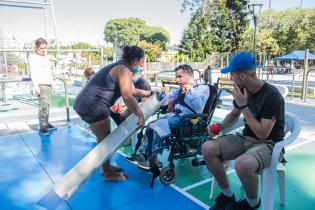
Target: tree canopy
[(292, 29), (133, 31), (217, 25), (123, 31)]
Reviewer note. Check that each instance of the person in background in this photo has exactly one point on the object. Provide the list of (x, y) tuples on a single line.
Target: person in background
[(42, 78), (119, 112), (110, 83), (88, 73)]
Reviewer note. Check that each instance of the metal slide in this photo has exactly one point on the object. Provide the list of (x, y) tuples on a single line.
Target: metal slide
[(76, 176)]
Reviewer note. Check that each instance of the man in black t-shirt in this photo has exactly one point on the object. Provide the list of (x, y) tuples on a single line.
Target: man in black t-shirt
[(263, 109)]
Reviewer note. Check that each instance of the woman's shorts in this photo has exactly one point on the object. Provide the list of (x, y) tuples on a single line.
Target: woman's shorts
[(92, 118)]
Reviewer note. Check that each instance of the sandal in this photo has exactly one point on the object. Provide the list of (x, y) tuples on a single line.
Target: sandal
[(116, 168), (116, 177)]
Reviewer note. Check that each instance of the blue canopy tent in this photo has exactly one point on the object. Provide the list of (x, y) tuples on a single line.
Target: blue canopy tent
[(296, 55)]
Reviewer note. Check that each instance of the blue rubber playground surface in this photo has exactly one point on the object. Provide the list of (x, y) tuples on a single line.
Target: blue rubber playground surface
[(30, 165)]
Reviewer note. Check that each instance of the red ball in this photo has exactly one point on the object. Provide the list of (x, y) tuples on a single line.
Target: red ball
[(215, 129), (115, 108)]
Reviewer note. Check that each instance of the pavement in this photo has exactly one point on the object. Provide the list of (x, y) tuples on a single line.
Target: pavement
[(17, 117)]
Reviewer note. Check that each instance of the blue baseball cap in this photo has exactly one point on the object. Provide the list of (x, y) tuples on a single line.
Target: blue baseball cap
[(240, 62)]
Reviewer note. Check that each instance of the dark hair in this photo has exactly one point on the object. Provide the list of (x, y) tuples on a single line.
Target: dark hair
[(40, 41), (132, 54), (185, 68), (89, 72)]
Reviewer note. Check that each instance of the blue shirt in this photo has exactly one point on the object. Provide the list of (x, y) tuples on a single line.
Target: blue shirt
[(196, 99)]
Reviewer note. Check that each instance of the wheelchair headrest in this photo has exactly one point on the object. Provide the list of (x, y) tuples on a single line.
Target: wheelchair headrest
[(211, 100)]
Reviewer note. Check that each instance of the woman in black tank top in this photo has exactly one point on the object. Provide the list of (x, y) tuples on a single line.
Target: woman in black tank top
[(106, 86)]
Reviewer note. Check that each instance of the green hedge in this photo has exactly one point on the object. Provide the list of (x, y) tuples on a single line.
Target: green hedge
[(59, 101)]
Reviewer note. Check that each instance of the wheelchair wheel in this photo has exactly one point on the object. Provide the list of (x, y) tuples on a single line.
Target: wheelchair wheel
[(167, 175)]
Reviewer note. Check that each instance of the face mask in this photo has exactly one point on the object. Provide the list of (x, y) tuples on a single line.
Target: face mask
[(136, 70), (134, 80)]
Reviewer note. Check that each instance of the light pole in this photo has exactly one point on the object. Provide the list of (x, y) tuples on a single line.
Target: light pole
[(191, 42), (255, 9), (191, 46), (114, 47)]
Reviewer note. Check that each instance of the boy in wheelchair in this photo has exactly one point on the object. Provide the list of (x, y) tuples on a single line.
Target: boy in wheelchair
[(188, 99)]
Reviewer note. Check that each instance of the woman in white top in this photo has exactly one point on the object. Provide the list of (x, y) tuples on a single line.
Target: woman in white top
[(41, 74)]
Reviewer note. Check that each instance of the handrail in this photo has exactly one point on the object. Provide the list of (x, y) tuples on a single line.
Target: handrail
[(307, 74), (66, 97), (3, 82), (284, 67)]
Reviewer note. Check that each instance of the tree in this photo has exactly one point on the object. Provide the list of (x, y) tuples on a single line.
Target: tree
[(124, 31), (217, 25), (196, 38), (86, 46), (152, 50), (265, 44), (292, 29), (311, 38), (154, 34), (108, 52), (134, 31), (229, 20), (192, 5)]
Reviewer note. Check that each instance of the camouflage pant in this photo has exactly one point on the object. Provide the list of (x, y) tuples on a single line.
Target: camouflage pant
[(44, 104)]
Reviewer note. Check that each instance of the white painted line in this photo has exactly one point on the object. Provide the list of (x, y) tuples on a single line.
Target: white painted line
[(199, 202), (299, 144), (204, 181)]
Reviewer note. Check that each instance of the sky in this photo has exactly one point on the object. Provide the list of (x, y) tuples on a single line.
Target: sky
[(81, 20)]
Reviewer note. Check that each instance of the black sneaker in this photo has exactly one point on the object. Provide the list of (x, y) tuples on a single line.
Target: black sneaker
[(145, 165), (241, 205), (50, 127), (222, 201), (43, 132), (135, 158)]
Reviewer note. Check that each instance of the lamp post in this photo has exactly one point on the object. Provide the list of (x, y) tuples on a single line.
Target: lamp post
[(255, 9), (114, 36), (191, 42), (191, 46)]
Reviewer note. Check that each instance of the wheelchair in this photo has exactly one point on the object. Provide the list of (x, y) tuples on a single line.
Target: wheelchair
[(186, 140)]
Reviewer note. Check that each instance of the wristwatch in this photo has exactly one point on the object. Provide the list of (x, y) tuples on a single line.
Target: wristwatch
[(242, 107)]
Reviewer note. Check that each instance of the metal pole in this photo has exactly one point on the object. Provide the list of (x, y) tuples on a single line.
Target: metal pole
[(25, 2), (304, 90), (66, 97), (191, 46), (55, 30), (102, 56), (4, 54), (293, 80), (145, 68), (114, 50), (255, 28), (45, 16)]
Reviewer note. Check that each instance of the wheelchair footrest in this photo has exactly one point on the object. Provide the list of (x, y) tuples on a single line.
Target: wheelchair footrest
[(198, 162)]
